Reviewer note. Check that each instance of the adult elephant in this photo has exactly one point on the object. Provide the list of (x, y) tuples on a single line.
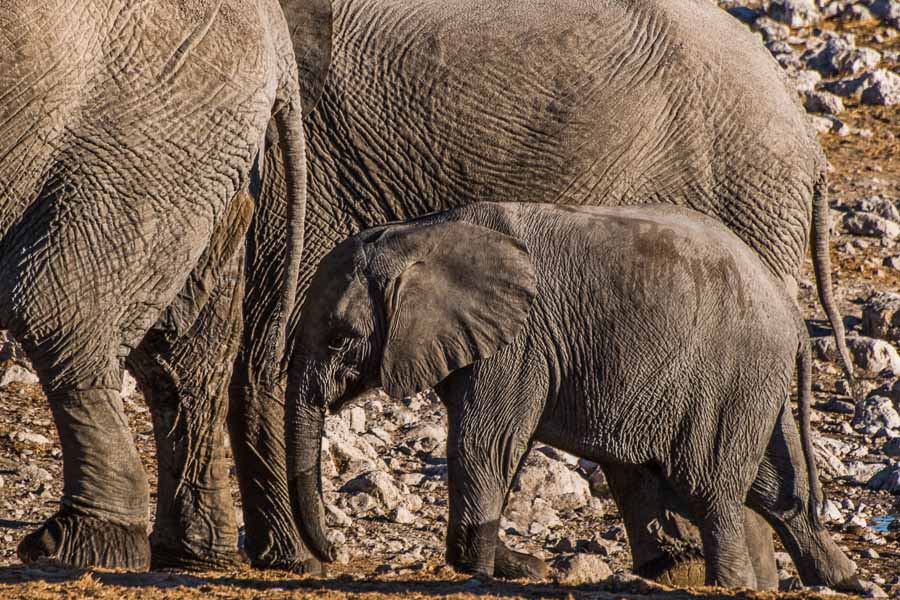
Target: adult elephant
[(431, 104), (128, 133)]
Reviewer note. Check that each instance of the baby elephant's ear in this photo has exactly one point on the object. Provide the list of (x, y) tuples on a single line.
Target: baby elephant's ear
[(466, 294)]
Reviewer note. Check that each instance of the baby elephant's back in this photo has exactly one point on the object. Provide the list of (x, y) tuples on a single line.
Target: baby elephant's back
[(673, 282)]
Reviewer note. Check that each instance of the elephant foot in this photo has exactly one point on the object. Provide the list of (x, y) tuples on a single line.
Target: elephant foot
[(163, 558), (851, 585), (667, 571), (82, 542), (300, 566), (509, 564)]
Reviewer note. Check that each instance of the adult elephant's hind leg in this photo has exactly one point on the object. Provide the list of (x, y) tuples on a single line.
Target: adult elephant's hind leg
[(184, 380), (102, 520), (256, 393)]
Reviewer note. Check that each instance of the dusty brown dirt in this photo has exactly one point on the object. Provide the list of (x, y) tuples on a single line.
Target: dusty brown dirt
[(49, 583)]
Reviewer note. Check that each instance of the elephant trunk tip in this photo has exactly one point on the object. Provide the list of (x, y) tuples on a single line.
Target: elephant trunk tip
[(309, 516)]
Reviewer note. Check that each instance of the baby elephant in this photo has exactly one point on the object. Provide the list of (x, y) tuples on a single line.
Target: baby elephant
[(647, 336)]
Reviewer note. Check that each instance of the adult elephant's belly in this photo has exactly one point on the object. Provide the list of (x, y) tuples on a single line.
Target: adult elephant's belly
[(432, 104)]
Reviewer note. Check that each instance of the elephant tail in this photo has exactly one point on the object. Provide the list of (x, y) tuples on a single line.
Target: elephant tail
[(289, 125), (822, 265), (804, 400)]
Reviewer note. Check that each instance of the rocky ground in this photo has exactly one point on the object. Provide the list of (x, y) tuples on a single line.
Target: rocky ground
[(385, 465)]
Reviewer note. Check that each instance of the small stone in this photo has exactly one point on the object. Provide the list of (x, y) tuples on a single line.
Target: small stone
[(837, 404), (337, 517), (848, 87), (34, 473), (856, 12), (831, 464), (796, 13), (402, 516), (16, 373), (821, 124), (536, 528), (886, 10), (892, 262), (842, 387), (129, 385), (869, 355), (357, 419), (552, 480), (616, 532), (783, 560), (584, 569), (856, 521), (837, 54), (744, 14), (362, 504), (831, 513), (881, 316), (805, 80), (874, 413), (820, 590), (882, 88), (823, 102), (872, 590), (32, 438), (870, 553), (859, 223), (887, 479), (336, 537), (378, 484)]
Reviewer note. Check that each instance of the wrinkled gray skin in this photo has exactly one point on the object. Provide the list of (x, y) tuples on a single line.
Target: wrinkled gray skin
[(643, 336), (432, 104), (128, 134)]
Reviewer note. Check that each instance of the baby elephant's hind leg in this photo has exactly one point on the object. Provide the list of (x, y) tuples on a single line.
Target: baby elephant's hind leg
[(725, 545), (781, 494)]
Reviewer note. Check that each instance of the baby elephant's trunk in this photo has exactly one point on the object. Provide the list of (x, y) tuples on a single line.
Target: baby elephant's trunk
[(804, 393), (304, 427)]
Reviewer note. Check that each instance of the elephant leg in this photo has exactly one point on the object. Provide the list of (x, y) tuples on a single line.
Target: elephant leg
[(665, 544), (511, 564), (761, 545), (102, 520), (184, 379), (725, 545), (780, 493), (256, 427), (256, 392), (492, 416)]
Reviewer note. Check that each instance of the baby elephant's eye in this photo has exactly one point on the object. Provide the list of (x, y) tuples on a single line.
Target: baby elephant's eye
[(339, 343)]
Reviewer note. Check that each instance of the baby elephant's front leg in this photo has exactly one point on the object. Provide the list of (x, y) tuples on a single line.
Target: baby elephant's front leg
[(490, 433)]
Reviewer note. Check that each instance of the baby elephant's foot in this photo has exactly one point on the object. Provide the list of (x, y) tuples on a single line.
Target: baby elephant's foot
[(675, 573), (81, 542), (509, 564)]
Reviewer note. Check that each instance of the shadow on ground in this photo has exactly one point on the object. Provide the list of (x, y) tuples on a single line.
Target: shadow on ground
[(29, 581)]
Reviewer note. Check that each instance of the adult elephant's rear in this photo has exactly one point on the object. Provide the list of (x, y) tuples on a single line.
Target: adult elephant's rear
[(128, 132), (436, 103)]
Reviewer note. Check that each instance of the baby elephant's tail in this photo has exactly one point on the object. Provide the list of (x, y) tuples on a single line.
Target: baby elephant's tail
[(804, 397)]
